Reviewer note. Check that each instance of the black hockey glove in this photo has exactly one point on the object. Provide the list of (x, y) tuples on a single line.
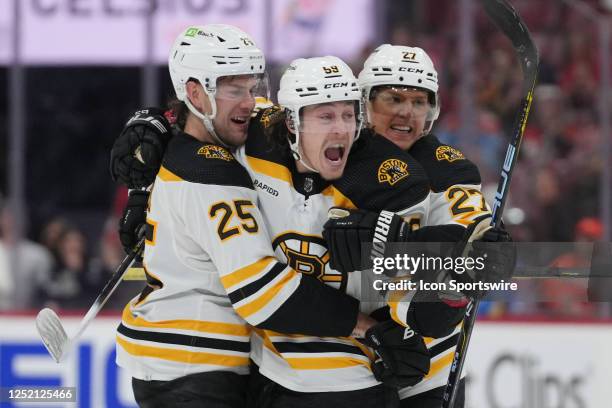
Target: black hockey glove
[(346, 230), (402, 357), (494, 246), (138, 151), (133, 218), (430, 315)]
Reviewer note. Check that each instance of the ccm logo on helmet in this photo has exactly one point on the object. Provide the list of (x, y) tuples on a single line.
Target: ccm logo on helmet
[(408, 69), (336, 85)]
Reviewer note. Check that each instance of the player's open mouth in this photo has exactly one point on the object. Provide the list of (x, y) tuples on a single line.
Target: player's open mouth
[(240, 120), (335, 153), (402, 129)]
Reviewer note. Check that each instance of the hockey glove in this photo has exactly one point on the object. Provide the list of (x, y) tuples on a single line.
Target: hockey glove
[(494, 247), (346, 230), (133, 218), (402, 359), (137, 153), (431, 315)]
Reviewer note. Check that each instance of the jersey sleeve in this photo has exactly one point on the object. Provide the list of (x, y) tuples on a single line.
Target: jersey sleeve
[(265, 292), (455, 202), (455, 197)]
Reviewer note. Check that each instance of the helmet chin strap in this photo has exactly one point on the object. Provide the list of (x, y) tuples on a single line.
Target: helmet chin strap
[(295, 152), (207, 120)]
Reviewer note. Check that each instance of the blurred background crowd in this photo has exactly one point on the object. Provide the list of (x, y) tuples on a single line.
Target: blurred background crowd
[(64, 246)]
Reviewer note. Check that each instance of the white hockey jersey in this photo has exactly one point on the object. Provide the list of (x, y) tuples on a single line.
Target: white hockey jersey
[(295, 206), (212, 273)]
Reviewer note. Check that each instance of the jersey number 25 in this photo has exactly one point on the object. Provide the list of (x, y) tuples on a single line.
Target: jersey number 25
[(227, 211)]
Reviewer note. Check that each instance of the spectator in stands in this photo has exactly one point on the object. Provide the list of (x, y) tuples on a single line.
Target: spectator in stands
[(71, 284), (568, 297), (25, 266)]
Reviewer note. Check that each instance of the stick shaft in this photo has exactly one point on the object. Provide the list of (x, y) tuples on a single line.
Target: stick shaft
[(511, 24), (108, 290)]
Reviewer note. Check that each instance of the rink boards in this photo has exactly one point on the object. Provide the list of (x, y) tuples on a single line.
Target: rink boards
[(512, 364)]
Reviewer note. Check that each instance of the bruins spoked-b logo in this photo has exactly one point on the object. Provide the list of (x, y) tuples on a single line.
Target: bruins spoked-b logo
[(449, 154), (391, 171), (308, 254), (215, 152)]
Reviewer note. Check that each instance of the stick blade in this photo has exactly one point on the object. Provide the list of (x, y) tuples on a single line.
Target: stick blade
[(52, 332)]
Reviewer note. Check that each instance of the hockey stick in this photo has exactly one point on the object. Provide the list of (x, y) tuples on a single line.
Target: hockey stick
[(510, 23), (50, 327)]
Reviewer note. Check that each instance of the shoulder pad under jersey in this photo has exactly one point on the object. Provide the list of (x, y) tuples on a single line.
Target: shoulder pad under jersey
[(188, 159), (445, 165), (379, 175)]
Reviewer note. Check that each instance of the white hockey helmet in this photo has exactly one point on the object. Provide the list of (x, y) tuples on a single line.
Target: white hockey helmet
[(396, 65), (311, 81), (207, 53)]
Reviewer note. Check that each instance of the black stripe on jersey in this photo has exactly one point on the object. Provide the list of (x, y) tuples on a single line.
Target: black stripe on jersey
[(248, 290), (444, 345), (316, 310), (185, 340), (316, 347)]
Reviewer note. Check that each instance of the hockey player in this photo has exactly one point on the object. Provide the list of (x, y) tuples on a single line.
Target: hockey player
[(267, 166), (305, 169), (293, 177), (211, 271), (400, 86)]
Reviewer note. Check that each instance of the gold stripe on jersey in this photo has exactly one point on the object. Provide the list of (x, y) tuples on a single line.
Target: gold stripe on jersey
[(247, 272), (320, 360), (466, 219), (441, 363), (366, 350), (324, 363), (184, 324), (261, 301), (167, 175), (266, 340), (270, 169), (182, 356), (394, 302), (340, 200)]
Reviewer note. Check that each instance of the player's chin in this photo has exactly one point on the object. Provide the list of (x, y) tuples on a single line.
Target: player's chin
[(238, 136), (403, 140)]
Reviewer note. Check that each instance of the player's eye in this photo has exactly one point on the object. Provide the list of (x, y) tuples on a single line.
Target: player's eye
[(392, 99), (420, 102), (348, 116)]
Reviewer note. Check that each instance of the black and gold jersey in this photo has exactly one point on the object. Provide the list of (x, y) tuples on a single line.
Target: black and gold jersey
[(379, 176), (445, 165)]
